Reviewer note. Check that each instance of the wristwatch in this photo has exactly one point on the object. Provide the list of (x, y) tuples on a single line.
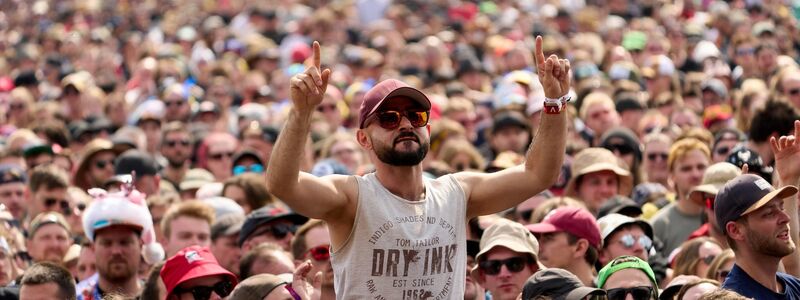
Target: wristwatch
[(555, 106)]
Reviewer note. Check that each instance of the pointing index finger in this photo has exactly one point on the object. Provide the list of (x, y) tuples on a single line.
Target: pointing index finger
[(317, 56), (539, 54)]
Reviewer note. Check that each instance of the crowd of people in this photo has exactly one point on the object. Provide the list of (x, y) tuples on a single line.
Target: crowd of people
[(351, 149)]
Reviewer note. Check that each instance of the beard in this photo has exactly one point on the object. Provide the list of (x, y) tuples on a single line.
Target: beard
[(117, 270), (769, 245), (389, 155), (177, 161)]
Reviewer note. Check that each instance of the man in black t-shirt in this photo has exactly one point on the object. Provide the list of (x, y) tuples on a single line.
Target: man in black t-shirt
[(756, 219)]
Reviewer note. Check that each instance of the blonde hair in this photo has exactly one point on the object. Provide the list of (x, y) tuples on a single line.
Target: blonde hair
[(551, 204), (721, 259), (689, 256), (684, 146), (595, 98), (191, 209), (453, 147)]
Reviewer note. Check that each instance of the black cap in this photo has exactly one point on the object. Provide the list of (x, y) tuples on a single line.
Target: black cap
[(742, 155), (620, 205), (265, 215), (558, 284), (11, 174), (227, 225), (508, 119), (473, 247), (743, 195), (135, 160), (245, 154)]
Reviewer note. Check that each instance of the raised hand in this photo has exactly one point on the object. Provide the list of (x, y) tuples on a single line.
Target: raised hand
[(306, 290), (308, 88), (553, 72), (787, 156)]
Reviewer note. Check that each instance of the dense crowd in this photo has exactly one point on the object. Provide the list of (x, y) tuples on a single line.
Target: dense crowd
[(353, 149)]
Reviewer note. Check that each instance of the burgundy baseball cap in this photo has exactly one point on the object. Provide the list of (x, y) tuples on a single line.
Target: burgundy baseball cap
[(573, 220), (190, 263), (386, 89)]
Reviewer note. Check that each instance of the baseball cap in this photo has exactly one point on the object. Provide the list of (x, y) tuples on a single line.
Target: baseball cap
[(573, 220), (190, 263), (619, 204), (626, 262), (634, 40), (386, 89), (716, 113), (135, 161), (47, 218), (744, 194), (12, 173), (227, 225), (714, 178), (264, 215), (257, 287), (509, 234), (557, 283), (612, 222), (742, 155), (510, 119), (196, 178)]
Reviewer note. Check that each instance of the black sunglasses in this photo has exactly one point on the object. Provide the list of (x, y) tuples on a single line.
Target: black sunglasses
[(621, 148), (653, 156), (794, 92), (201, 292), (174, 143), (638, 293), (63, 203), (218, 156), (390, 119), (514, 265), (525, 214), (102, 164), (723, 150), (278, 231), (723, 274)]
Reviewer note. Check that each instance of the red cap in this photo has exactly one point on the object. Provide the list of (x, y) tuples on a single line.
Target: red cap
[(300, 52), (389, 88), (190, 263), (573, 220), (6, 84)]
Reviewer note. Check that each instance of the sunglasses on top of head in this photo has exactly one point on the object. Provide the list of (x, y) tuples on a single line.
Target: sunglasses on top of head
[(390, 119)]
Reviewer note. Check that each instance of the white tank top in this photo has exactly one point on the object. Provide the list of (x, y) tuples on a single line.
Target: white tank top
[(400, 249)]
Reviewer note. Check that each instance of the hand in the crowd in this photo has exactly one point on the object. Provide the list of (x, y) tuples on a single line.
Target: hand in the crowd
[(787, 156), (303, 288), (553, 72), (308, 88)]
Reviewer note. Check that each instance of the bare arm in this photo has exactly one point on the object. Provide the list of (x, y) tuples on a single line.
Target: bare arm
[(787, 164), (308, 195), (490, 193)]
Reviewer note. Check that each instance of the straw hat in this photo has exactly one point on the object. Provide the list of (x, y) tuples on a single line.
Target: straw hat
[(591, 160)]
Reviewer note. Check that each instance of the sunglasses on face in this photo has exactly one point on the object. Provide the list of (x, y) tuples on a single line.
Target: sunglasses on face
[(794, 92), (621, 148), (219, 156), (390, 119), (708, 259), (278, 231), (320, 253), (222, 289), (628, 241), (654, 156), (638, 293), (64, 204), (526, 214), (723, 150), (327, 107), (241, 169), (102, 164), (514, 265), (174, 143)]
